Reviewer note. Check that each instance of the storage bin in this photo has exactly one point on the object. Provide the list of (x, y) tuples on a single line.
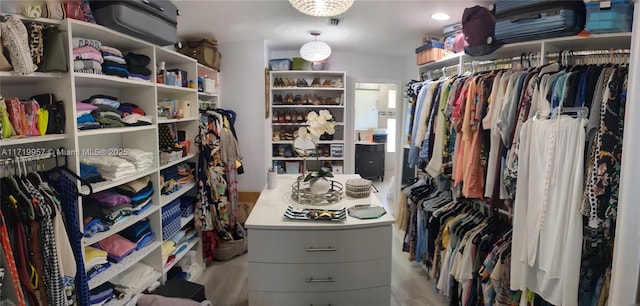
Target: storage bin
[(298, 63), (280, 64), (429, 52), (292, 167), (609, 16)]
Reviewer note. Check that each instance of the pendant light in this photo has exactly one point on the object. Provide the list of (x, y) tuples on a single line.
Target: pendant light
[(315, 50), (322, 8)]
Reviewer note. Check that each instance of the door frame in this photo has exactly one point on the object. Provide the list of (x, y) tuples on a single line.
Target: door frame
[(350, 129)]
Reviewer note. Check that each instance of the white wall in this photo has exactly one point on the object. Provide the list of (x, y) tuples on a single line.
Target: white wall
[(242, 90)]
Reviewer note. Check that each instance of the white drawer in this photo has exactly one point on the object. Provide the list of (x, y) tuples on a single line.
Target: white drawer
[(319, 246), (380, 296), (319, 277)]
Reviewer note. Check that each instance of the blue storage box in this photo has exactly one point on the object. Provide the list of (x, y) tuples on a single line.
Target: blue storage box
[(609, 16), (280, 64)]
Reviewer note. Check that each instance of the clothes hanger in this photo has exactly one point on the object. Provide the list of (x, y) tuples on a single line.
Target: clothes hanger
[(63, 168)]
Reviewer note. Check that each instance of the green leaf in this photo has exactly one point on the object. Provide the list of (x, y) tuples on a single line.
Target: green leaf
[(309, 177)]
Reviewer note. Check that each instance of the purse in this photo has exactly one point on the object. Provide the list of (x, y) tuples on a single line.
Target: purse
[(15, 39), (52, 113), (205, 51), (54, 58)]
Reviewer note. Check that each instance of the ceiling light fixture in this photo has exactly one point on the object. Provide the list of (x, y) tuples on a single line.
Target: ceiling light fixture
[(440, 16), (322, 8), (315, 50)]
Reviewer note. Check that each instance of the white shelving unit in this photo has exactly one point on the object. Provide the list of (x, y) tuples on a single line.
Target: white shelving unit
[(72, 86), (303, 100)]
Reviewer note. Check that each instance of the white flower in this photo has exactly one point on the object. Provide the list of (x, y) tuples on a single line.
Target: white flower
[(331, 128), (325, 115), (303, 132)]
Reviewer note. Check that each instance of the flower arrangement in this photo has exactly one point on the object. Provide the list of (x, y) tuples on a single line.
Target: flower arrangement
[(317, 125)]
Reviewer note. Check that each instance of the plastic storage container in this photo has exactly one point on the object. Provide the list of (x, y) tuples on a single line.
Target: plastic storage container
[(280, 64), (609, 16)]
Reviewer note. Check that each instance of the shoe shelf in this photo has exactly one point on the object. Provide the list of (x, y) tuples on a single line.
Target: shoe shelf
[(293, 94)]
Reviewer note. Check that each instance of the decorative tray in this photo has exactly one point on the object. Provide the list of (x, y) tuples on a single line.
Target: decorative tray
[(334, 215), (366, 211), (301, 194)]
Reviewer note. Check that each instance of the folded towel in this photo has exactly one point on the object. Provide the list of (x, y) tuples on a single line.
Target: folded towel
[(88, 70), (117, 246), (117, 71), (85, 106), (86, 64), (85, 118), (108, 63), (139, 70), (134, 59), (88, 56), (113, 59), (111, 50)]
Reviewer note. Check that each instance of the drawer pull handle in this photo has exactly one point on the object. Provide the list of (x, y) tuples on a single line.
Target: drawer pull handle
[(322, 280), (312, 249)]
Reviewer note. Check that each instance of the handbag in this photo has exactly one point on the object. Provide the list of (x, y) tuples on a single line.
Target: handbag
[(52, 113), (15, 39), (205, 51), (54, 58)]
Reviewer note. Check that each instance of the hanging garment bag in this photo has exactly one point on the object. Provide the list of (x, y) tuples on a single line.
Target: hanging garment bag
[(155, 21), (518, 21)]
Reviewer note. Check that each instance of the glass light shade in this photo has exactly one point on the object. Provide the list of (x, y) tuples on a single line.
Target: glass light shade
[(315, 51), (322, 8)]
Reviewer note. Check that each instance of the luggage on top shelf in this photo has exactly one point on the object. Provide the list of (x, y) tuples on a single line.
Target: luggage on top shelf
[(518, 21), (155, 21)]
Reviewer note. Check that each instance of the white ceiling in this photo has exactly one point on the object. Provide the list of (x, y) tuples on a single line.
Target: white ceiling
[(391, 27)]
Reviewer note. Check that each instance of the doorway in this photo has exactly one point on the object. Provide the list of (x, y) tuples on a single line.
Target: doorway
[(376, 130)]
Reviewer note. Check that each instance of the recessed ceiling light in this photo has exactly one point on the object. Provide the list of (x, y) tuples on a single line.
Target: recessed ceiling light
[(440, 16)]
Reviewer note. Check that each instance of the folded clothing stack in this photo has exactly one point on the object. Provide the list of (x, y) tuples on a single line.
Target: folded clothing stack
[(134, 279), (117, 247), (167, 250), (140, 192), (84, 117), (114, 63), (95, 261), (110, 167), (93, 226), (90, 173), (102, 294), (87, 57), (106, 111), (137, 66), (139, 233), (142, 160), (175, 177), (110, 206), (181, 241)]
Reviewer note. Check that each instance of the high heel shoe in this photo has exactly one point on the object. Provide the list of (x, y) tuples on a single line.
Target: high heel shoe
[(297, 100), (306, 99), (316, 82), (274, 118), (287, 117), (281, 118), (299, 118)]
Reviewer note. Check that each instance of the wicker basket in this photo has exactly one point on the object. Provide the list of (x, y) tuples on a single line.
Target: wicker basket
[(230, 249)]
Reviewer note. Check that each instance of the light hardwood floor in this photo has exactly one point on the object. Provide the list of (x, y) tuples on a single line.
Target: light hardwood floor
[(226, 282)]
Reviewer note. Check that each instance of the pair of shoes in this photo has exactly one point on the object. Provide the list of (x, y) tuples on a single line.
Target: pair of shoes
[(277, 99), (275, 137), (274, 117), (337, 83), (281, 151), (278, 82), (289, 82), (299, 118), (288, 98), (297, 99), (302, 83), (326, 83), (316, 82)]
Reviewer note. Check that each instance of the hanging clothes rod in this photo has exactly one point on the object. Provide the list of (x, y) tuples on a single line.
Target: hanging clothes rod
[(590, 52), (27, 158)]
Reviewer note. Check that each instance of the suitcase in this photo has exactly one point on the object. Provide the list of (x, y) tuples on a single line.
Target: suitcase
[(451, 30), (155, 21), (544, 19)]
